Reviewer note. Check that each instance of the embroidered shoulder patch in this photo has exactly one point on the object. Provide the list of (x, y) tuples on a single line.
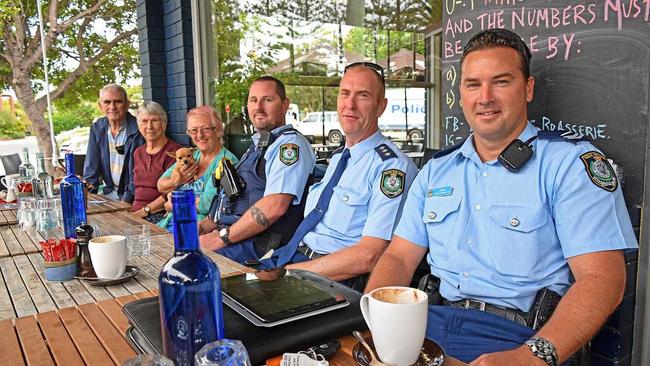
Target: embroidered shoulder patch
[(600, 171), (289, 153), (392, 182)]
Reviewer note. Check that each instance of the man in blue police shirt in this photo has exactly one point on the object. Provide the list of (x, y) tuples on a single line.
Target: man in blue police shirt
[(367, 200), (496, 238), (276, 171)]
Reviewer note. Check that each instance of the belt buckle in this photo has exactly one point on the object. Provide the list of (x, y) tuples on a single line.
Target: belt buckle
[(468, 304)]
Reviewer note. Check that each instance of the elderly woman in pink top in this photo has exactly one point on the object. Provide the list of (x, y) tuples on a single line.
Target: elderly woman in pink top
[(151, 161)]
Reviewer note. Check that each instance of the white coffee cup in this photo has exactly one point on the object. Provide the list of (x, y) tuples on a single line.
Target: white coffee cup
[(108, 254), (9, 181), (397, 318)]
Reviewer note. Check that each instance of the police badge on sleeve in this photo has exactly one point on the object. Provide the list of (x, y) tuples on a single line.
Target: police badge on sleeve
[(392, 182), (599, 170), (289, 154)]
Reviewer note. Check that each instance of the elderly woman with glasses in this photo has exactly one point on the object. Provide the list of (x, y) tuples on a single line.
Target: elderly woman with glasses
[(206, 131), (151, 161)]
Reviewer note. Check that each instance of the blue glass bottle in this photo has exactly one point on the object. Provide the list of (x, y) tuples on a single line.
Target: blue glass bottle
[(73, 202), (191, 313)]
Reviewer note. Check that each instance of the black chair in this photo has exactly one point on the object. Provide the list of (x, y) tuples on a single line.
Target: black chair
[(79, 164), (428, 154), (11, 163), (238, 144)]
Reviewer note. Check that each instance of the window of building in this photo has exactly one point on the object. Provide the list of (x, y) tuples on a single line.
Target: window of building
[(308, 43)]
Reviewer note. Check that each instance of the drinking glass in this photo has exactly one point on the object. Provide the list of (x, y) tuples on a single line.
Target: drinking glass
[(224, 352), (148, 360), (138, 240), (26, 212)]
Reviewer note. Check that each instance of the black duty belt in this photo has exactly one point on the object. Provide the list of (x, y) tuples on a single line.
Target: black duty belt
[(514, 315), (309, 253), (540, 311)]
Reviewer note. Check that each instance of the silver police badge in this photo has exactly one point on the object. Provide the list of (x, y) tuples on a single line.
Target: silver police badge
[(289, 153), (599, 171), (392, 182)]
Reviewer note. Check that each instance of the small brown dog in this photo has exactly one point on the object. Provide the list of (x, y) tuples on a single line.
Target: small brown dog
[(184, 157)]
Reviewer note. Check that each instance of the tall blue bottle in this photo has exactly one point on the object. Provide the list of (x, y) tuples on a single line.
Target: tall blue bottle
[(73, 203), (191, 313)]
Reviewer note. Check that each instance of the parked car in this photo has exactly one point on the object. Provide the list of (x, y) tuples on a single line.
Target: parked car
[(404, 105), (313, 123)]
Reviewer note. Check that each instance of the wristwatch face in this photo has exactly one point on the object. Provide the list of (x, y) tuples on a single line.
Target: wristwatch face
[(543, 347), (223, 232), (147, 209)]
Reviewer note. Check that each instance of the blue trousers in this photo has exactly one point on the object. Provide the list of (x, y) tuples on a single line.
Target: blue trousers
[(467, 334)]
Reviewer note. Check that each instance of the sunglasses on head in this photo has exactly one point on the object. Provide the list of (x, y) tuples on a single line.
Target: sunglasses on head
[(369, 65), (120, 149)]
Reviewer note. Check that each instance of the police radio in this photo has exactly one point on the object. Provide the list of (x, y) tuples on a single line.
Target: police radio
[(516, 154), (226, 176)]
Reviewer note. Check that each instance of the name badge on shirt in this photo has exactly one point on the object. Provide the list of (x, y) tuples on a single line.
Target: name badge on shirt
[(440, 192)]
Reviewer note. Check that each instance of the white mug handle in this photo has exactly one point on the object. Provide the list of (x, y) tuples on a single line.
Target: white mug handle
[(365, 310), (4, 181)]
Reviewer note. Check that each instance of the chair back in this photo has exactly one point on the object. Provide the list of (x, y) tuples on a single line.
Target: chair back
[(11, 163), (238, 144), (428, 154), (79, 164)]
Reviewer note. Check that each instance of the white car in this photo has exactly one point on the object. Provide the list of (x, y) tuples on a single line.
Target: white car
[(313, 125)]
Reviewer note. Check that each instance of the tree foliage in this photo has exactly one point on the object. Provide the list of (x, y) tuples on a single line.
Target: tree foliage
[(89, 43)]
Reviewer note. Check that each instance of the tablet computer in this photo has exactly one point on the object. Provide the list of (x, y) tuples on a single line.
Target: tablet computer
[(290, 297)]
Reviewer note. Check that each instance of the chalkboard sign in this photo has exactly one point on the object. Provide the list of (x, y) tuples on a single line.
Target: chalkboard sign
[(591, 62)]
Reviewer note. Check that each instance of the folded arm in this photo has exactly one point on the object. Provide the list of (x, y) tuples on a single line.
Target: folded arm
[(349, 262), (255, 220)]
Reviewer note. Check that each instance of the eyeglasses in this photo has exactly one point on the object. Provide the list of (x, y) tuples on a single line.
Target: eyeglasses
[(369, 65), (202, 130), (120, 149), (145, 122)]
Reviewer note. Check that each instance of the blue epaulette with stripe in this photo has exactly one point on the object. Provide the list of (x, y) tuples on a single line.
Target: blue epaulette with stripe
[(385, 152), (561, 136), (448, 151)]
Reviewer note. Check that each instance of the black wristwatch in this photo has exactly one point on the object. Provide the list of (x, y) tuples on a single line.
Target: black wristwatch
[(544, 349), (223, 234), (147, 210)]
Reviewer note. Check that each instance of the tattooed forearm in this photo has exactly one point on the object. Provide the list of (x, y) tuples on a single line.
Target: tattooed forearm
[(259, 217)]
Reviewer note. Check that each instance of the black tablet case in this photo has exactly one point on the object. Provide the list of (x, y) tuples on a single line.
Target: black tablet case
[(261, 343)]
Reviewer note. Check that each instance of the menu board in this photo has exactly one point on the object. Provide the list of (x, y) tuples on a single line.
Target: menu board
[(591, 62)]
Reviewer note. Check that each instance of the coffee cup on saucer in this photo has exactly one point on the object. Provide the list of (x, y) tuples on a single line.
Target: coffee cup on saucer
[(109, 255), (397, 318)]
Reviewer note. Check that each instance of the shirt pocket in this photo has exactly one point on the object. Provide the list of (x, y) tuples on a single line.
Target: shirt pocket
[(519, 239), (347, 211), (439, 216)]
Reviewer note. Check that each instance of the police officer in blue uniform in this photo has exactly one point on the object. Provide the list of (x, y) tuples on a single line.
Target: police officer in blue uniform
[(507, 217), (347, 240), (276, 171)]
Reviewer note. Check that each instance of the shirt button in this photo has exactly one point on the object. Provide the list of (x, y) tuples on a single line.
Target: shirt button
[(431, 215), (346, 198), (430, 194), (477, 207), (468, 241), (465, 274), (514, 222), (485, 174)]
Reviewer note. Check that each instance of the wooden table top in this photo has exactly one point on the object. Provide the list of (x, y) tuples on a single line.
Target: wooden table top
[(94, 334), (25, 291), (96, 204), (16, 241)]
